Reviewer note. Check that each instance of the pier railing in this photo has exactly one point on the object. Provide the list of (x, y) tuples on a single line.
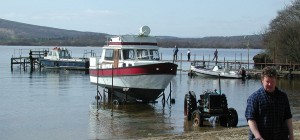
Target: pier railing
[(255, 69), (25, 57)]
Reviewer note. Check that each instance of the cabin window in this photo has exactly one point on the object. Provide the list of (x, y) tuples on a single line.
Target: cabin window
[(128, 54), (50, 53), (154, 55), (142, 54), (109, 54), (64, 54)]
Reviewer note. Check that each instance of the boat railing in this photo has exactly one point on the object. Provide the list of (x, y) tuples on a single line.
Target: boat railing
[(88, 54), (231, 65)]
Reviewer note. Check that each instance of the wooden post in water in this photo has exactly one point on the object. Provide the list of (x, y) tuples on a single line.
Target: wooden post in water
[(24, 64), (224, 63), (112, 90), (235, 60), (220, 91), (40, 65), (181, 62), (97, 96), (241, 58), (31, 61), (248, 55), (208, 60), (11, 63), (203, 61)]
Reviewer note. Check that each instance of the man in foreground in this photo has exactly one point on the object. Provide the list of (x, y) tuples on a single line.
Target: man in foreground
[(268, 111)]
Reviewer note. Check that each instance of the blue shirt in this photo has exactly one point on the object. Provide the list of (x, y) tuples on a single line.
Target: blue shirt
[(270, 111), (175, 50)]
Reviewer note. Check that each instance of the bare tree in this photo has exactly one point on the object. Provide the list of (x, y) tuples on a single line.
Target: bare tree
[(282, 38)]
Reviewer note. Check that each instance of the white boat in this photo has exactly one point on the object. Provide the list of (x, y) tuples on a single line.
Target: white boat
[(132, 65), (217, 71), (60, 58)]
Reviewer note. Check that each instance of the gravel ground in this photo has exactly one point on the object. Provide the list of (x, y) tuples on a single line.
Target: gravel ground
[(240, 133)]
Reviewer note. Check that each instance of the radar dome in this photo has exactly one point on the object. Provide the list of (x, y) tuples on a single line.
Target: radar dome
[(145, 30)]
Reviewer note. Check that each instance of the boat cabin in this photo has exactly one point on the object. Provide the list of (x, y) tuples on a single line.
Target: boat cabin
[(58, 53), (131, 51), (131, 54)]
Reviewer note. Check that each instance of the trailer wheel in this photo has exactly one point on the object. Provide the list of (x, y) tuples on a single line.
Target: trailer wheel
[(232, 117), (190, 104), (197, 119)]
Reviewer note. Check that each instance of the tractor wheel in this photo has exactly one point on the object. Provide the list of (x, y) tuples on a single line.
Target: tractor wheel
[(190, 104), (223, 120), (197, 119), (232, 117)]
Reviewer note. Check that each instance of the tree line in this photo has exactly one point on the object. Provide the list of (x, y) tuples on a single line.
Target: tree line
[(282, 39)]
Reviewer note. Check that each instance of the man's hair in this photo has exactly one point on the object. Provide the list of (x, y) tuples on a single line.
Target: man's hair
[(269, 72)]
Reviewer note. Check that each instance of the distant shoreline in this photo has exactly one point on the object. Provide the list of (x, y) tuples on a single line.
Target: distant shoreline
[(102, 46)]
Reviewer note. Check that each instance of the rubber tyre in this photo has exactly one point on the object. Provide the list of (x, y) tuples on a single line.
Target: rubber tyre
[(197, 119), (190, 104), (232, 117)]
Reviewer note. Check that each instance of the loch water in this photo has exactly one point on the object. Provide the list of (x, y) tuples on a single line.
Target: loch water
[(58, 104)]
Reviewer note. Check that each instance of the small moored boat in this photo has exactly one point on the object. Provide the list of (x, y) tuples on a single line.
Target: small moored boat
[(61, 58), (218, 70), (131, 63)]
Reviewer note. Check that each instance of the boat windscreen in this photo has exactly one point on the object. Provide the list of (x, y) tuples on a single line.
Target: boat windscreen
[(64, 54), (142, 54), (154, 55), (128, 54)]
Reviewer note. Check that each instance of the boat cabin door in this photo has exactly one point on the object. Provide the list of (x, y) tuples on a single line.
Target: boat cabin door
[(116, 58)]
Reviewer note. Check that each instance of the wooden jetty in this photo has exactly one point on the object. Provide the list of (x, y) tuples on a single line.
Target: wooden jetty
[(23, 60), (253, 69)]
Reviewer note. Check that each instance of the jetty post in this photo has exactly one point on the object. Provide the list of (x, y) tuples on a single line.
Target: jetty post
[(31, 60), (181, 61), (24, 65), (11, 63), (112, 89), (98, 96)]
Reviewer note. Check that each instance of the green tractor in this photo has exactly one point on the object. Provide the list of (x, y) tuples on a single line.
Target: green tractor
[(211, 103)]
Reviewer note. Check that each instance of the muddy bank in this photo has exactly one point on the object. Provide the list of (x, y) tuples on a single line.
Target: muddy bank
[(240, 133)]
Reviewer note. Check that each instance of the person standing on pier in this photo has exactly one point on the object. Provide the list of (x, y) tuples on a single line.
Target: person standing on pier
[(189, 54), (175, 53), (215, 55), (268, 110)]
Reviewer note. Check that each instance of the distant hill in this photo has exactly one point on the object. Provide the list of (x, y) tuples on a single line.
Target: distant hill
[(16, 33), (255, 41)]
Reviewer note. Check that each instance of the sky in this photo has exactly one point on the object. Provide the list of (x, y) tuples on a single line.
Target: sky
[(189, 18)]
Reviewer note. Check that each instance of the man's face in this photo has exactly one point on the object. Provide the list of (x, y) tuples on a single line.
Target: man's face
[(269, 83)]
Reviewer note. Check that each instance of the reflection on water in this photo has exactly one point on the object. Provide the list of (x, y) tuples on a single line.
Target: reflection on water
[(128, 121), (292, 88)]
